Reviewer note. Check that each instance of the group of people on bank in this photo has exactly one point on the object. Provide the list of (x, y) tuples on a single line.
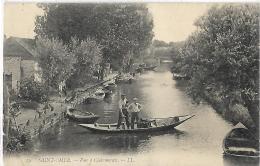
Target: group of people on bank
[(128, 112)]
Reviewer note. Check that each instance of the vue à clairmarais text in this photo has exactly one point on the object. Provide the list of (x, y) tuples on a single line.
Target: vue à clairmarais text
[(84, 160)]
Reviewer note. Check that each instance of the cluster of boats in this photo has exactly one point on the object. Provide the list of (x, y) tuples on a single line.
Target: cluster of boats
[(108, 88), (100, 93)]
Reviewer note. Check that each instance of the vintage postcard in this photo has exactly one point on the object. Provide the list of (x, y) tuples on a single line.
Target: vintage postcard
[(131, 84)]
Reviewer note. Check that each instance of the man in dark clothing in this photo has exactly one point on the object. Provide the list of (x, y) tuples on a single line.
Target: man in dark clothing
[(123, 112)]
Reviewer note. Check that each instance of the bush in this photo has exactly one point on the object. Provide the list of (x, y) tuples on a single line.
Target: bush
[(33, 91)]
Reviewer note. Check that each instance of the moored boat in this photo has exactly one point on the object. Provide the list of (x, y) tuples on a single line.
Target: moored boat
[(107, 92), (180, 76), (239, 142), (98, 96), (150, 67), (110, 86), (126, 78), (144, 67), (80, 116), (152, 125)]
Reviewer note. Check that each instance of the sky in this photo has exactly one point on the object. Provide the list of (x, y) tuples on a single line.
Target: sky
[(172, 21)]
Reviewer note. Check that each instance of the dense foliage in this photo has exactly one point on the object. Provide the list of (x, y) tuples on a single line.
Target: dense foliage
[(88, 56), (222, 57), (55, 60), (31, 90), (122, 29), (66, 62)]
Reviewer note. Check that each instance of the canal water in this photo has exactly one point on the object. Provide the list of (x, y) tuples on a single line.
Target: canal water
[(197, 142)]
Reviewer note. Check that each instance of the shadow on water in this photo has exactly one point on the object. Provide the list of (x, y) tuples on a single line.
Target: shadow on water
[(126, 143), (87, 141)]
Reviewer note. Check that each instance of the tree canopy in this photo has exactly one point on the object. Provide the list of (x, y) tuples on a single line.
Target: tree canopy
[(222, 57), (121, 29)]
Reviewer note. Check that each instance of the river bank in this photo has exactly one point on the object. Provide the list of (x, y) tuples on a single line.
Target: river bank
[(39, 118), (233, 113)]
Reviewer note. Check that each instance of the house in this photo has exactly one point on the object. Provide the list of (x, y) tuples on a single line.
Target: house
[(19, 61)]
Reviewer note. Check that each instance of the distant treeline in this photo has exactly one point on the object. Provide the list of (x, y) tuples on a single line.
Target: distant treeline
[(163, 49), (160, 43)]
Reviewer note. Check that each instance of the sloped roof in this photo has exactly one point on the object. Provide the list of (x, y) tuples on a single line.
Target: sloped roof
[(20, 47)]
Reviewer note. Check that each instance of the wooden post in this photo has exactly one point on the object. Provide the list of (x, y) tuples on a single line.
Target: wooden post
[(6, 107)]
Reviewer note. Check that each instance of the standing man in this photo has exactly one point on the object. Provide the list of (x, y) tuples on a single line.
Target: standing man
[(123, 113), (134, 108)]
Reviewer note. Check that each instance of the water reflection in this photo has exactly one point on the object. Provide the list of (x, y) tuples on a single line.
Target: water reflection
[(75, 139), (199, 139)]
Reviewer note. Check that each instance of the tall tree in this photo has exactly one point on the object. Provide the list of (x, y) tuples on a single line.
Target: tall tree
[(120, 28), (222, 58)]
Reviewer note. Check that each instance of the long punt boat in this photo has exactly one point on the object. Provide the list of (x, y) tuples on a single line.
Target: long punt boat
[(155, 124)]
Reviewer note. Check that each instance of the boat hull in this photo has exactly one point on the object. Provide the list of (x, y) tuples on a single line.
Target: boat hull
[(87, 120), (125, 81), (111, 87), (111, 128), (141, 69), (240, 147), (94, 99), (150, 68)]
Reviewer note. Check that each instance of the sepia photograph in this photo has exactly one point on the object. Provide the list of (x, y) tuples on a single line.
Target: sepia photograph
[(130, 84)]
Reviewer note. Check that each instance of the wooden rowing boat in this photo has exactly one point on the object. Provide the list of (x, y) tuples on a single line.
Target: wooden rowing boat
[(110, 86), (80, 116), (124, 78), (156, 124), (144, 68), (180, 76), (149, 67), (239, 142), (98, 96)]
